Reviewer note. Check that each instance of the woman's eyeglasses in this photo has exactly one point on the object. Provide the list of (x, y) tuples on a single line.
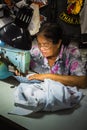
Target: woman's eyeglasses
[(45, 45)]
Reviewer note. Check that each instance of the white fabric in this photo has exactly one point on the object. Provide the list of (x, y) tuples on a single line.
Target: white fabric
[(47, 96), (83, 18), (35, 21)]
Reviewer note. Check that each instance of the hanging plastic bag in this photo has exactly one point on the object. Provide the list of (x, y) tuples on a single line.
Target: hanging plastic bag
[(35, 21)]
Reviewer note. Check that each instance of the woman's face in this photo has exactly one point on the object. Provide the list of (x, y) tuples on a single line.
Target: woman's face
[(47, 48)]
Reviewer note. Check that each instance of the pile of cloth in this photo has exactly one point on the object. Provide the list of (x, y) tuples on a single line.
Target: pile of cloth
[(49, 95)]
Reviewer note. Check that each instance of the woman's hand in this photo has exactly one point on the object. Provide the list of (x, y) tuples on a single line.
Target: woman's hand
[(37, 77), (19, 73)]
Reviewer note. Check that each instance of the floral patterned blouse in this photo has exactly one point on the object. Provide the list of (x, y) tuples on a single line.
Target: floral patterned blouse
[(68, 61)]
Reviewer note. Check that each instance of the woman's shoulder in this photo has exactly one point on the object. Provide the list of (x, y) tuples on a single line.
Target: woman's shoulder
[(73, 44), (73, 48)]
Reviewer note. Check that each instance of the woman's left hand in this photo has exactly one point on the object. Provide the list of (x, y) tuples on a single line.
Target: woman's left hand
[(37, 77)]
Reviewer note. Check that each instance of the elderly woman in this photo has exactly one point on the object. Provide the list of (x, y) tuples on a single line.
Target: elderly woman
[(56, 59)]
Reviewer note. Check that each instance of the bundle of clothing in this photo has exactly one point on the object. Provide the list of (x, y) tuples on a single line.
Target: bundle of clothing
[(49, 95)]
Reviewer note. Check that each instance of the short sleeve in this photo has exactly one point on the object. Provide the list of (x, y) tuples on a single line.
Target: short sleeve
[(75, 65)]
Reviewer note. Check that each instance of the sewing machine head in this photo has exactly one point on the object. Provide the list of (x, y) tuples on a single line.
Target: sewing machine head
[(20, 59)]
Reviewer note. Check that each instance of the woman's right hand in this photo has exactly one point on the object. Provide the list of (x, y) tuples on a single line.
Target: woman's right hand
[(17, 73)]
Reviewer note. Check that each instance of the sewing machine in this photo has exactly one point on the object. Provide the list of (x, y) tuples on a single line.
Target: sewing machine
[(16, 57)]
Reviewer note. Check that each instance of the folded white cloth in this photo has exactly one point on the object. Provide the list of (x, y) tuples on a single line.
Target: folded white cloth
[(46, 96)]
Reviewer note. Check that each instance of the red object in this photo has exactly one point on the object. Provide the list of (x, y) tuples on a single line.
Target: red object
[(70, 8)]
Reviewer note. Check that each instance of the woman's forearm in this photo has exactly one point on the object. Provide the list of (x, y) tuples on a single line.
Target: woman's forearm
[(79, 81)]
